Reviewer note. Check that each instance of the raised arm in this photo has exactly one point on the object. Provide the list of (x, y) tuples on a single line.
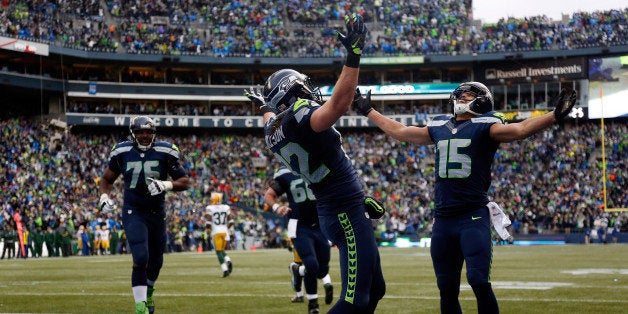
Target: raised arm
[(340, 100)]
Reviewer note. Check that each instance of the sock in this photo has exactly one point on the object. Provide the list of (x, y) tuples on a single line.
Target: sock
[(302, 270), (311, 297), (326, 279), (300, 293), (224, 267), (139, 293)]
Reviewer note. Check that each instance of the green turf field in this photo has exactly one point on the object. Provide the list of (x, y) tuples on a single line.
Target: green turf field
[(535, 279)]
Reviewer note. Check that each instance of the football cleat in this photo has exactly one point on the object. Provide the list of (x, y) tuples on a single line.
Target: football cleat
[(329, 293), (297, 299), (229, 266), (312, 307), (140, 308), (150, 301), (225, 273), (296, 277)]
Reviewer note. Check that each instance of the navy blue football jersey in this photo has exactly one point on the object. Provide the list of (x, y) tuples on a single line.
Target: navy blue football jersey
[(136, 165), (318, 158), (464, 155), (300, 197)]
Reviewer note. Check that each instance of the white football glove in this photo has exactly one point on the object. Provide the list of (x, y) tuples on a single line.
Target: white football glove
[(105, 204), (227, 237), (156, 187)]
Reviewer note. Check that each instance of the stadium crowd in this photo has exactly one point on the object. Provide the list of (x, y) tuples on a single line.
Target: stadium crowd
[(548, 184), (289, 27)]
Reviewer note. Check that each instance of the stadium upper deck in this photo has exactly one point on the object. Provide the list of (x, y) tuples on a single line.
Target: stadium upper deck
[(195, 58)]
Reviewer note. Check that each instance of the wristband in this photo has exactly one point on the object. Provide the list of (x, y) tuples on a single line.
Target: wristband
[(275, 206), (168, 185), (353, 60)]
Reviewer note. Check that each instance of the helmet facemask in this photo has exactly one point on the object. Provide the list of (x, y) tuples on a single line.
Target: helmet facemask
[(143, 131), (472, 97), (463, 106)]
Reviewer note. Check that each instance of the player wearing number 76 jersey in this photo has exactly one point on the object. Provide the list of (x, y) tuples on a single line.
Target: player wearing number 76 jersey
[(220, 215), (145, 166)]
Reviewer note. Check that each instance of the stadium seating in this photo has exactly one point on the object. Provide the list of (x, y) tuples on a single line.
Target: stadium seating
[(548, 184)]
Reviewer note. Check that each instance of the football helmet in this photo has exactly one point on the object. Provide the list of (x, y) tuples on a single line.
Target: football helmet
[(139, 123), (215, 198), (482, 103), (283, 87)]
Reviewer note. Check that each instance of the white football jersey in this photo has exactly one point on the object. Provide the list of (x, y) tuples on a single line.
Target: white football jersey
[(220, 218)]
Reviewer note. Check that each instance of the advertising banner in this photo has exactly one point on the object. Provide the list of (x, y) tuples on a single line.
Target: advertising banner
[(521, 71)]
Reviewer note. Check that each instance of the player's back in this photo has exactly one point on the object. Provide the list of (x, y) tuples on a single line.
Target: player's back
[(220, 217), (317, 157), (301, 199)]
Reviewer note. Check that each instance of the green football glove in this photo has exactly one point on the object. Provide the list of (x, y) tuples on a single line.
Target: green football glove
[(356, 34)]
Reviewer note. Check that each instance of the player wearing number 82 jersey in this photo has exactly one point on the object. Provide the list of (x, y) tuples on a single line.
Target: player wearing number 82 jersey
[(302, 136)]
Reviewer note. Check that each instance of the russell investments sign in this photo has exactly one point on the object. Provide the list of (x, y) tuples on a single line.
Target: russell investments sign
[(521, 72)]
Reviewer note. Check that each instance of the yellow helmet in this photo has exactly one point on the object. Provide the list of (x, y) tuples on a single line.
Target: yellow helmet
[(215, 198)]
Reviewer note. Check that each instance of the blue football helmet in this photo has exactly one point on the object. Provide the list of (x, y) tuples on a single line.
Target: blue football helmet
[(482, 103), (283, 88), (139, 123)]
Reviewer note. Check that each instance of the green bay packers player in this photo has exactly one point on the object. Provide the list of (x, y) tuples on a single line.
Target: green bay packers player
[(220, 215)]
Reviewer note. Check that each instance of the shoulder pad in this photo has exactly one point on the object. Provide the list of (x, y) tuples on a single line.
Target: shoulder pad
[(168, 148), (439, 120), (121, 148), (166, 144), (499, 115), (302, 108)]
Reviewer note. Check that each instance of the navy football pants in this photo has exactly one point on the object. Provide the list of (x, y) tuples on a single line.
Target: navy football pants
[(314, 251), (360, 269), (146, 233), (464, 238)]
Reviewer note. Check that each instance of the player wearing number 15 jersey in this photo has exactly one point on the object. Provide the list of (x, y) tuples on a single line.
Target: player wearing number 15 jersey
[(220, 215), (145, 166), (465, 148)]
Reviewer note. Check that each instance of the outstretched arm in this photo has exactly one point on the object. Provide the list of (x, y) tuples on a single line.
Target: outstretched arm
[(517, 131), (395, 129), (563, 103), (399, 131)]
